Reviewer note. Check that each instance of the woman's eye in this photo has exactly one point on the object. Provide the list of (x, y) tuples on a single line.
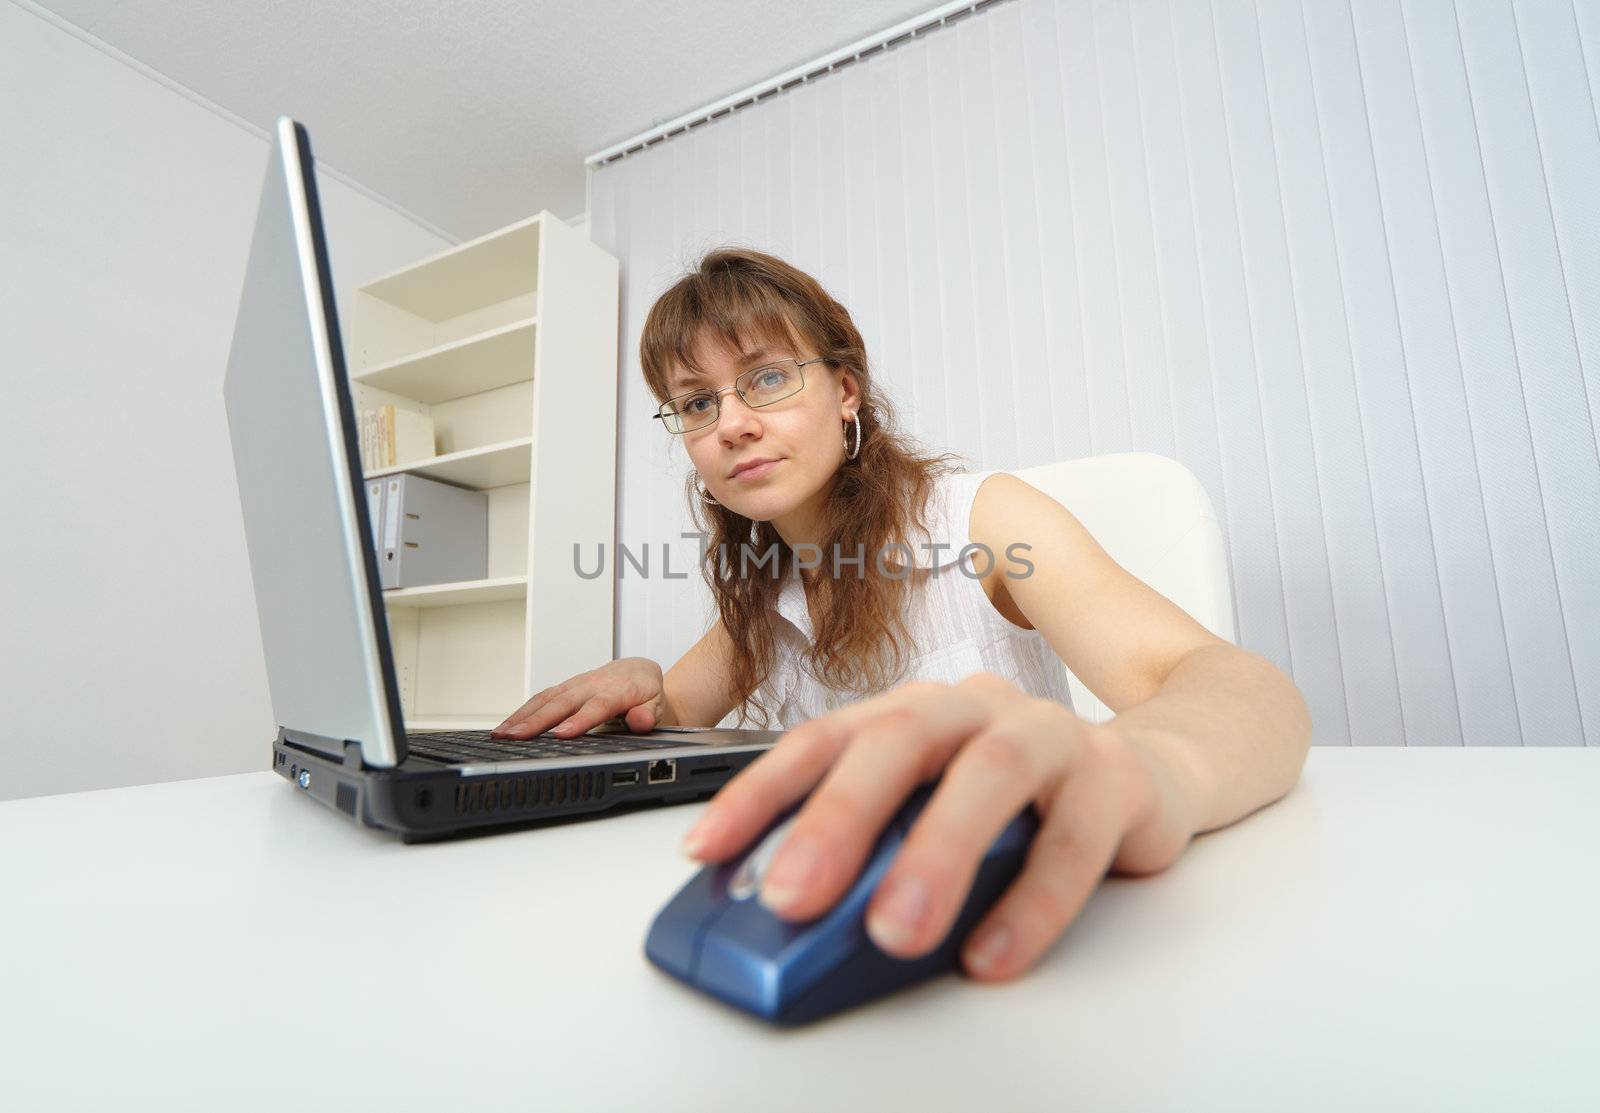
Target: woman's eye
[(696, 405), (770, 379)]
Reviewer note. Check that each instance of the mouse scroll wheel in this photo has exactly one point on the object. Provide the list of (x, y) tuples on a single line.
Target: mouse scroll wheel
[(746, 880)]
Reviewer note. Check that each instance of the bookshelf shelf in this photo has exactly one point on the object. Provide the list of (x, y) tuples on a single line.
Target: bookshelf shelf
[(467, 723), (508, 345), (493, 465), (484, 361), (486, 271), (471, 591)]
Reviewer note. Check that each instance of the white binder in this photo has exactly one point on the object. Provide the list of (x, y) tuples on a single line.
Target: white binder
[(375, 489), (433, 533)]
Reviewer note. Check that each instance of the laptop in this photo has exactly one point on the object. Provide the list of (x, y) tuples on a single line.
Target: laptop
[(341, 732)]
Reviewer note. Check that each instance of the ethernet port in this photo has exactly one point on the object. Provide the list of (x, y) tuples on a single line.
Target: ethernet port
[(663, 772)]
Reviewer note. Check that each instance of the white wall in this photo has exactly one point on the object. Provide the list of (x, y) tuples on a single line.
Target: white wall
[(1341, 258), (129, 649)]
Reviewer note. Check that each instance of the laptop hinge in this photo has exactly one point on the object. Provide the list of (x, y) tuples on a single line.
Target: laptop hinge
[(345, 750)]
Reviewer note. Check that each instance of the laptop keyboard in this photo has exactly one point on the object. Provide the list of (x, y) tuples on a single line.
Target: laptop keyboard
[(472, 746)]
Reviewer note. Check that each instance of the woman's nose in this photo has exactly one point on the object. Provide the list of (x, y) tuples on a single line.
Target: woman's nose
[(736, 418)]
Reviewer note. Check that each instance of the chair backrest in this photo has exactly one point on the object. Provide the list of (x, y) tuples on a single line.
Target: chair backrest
[(1154, 519)]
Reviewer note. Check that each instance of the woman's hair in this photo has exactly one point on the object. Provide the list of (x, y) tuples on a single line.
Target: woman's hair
[(860, 640)]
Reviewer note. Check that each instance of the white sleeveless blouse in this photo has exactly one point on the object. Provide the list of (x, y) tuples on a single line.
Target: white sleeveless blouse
[(954, 627)]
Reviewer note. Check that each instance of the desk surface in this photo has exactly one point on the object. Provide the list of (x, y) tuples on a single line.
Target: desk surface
[(1409, 929)]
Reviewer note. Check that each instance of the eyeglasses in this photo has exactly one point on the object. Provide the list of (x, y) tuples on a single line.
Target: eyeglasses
[(760, 386)]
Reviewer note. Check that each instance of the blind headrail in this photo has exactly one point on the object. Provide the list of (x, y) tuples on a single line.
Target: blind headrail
[(891, 37)]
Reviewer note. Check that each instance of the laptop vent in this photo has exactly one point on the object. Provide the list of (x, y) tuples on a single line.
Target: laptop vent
[(346, 798), (528, 793)]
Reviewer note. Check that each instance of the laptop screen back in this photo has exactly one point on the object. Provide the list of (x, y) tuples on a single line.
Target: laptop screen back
[(323, 628)]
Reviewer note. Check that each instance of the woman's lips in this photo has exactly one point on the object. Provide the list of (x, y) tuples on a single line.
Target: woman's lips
[(757, 471)]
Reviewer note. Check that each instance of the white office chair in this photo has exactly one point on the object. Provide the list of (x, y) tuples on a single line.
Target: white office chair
[(1155, 519)]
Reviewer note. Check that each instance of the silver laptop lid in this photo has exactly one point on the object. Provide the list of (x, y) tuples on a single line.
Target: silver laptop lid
[(323, 628)]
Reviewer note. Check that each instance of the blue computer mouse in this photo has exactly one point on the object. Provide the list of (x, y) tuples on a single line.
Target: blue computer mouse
[(717, 936)]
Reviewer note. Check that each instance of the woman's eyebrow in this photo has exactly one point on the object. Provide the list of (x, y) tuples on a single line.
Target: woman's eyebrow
[(686, 376)]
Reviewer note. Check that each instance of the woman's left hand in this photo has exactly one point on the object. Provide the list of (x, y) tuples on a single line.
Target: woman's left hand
[(1104, 801)]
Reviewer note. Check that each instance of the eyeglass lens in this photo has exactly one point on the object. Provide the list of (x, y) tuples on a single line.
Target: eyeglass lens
[(760, 387)]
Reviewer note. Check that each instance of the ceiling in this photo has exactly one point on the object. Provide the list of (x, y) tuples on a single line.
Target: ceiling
[(476, 114)]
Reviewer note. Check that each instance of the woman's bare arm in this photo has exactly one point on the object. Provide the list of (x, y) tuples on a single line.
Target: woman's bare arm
[(696, 689)]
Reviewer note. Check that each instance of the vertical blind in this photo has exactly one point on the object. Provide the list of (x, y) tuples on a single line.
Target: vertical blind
[(1340, 258)]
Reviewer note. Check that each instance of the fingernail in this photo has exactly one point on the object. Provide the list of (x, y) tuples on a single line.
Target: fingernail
[(893, 922), (985, 953), (795, 867), (700, 834)]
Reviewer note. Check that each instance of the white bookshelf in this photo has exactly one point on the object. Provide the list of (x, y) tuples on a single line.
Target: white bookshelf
[(509, 342)]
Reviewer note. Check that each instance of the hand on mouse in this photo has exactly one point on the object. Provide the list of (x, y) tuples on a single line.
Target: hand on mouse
[(631, 687), (1103, 802)]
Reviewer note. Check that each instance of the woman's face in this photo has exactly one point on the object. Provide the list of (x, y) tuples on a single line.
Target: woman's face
[(765, 463)]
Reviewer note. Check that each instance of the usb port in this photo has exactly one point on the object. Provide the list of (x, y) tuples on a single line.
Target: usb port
[(631, 777)]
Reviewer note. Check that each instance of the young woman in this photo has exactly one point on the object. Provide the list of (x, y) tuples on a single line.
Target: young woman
[(858, 607)]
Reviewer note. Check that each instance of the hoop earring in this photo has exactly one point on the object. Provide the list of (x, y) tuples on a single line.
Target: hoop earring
[(705, 495), (852, 453)]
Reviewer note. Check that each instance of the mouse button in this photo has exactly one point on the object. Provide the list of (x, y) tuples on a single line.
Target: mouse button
[(675, 935), (755, 960), (744, 957)]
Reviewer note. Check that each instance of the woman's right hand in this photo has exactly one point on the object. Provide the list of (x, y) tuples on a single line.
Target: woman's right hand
[(631, 687)]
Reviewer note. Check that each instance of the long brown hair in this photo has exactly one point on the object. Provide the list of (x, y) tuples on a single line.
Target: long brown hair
[(860, 641)]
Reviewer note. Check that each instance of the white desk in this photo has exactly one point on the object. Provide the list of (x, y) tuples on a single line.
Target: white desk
[(1409, 930)]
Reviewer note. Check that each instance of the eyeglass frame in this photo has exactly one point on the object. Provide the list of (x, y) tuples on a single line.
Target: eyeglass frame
[(716, 395)]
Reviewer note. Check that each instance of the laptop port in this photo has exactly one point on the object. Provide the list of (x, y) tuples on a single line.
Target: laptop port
[(664, 771), (631, 777)]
